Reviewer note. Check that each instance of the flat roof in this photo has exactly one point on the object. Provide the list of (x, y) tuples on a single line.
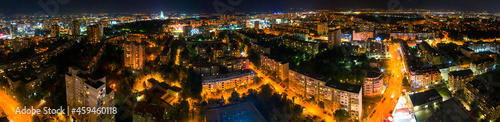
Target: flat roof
[(345, 87), (242, 112), (461, 73), (449, 111), (373, 74), (95, 84), (484, 60), (424, 97)]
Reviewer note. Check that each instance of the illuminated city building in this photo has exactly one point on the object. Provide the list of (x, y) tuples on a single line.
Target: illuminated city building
[(412, 36), (362, 35), (84, 89), (429, 54), (95, 33), (338, 95), (376, 48), (187, 31), (206, 68), (334, 38), (29, 82), (279, 67), (310, 47), (481, 91), (373, 83), (161, 15), (458, 79), (467, 52), (446, 68), (419, 76), (348, 97), (322, 28), (256, 24), (234, 64), (134, 55), (423, 100), (75, 28), (36, 60), (54, 30), (307, 85), (481, 46), (425, 77), (287, 30), (482, 66), (227, 81)]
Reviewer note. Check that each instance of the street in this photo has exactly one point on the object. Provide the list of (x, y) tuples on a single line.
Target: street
[(309, 108), (9, 106), (393, 91)]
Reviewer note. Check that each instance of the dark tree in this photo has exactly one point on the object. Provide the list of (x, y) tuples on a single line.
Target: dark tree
[(235, 96), (341, 115)]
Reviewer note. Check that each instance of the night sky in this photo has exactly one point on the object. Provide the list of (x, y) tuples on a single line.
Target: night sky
[(10, 7)]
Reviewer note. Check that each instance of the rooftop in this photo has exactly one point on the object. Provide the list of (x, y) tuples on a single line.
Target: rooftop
[(164, 85), (425, 97), (155, 110), (461, 73), (485, 90), (346, 87), (228, 75), (203, 64), (311, 74), (372, 74), (24, 79), (275, 59), (484, 60), (242, 112), (95, 84), (451, 111)]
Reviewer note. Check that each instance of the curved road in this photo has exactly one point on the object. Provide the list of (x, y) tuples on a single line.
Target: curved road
[(391, 95), (310, 108), (9, 106)]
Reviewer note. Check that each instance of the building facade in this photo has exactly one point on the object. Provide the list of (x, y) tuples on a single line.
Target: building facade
[(234, 64), (322, 28), (373, 83), (425, 78), (134, 55), (281, 68), (337, 95), (95, 33), (75, 28), (54, 30), (481, 90), (482, 66), (227, 81), (458, 79), (205, 68), (306, 85), (334, 38), (86, 90)]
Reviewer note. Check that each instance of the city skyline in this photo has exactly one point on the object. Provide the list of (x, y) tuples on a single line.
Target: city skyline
[(255, 61), (11, 7)]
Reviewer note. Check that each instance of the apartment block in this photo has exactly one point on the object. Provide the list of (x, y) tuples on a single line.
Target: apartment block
[(88, 90), (227, 81)]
